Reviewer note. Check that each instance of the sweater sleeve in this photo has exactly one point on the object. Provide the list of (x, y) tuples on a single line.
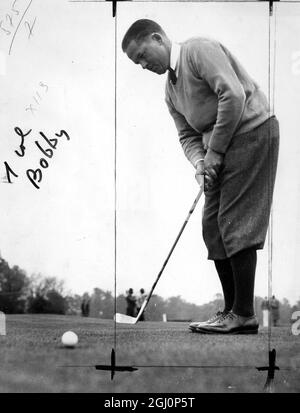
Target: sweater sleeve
[(212, 64), (191, 141)]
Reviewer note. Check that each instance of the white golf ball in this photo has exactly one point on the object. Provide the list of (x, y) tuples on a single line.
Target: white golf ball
[(69, 339)]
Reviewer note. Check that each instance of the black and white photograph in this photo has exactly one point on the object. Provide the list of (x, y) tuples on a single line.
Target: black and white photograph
[(150, 199)]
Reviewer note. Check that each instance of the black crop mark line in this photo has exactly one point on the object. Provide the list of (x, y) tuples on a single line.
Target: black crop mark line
[(271, 370)]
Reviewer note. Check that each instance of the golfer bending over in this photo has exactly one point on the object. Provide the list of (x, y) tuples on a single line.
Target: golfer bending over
[(223, 117)]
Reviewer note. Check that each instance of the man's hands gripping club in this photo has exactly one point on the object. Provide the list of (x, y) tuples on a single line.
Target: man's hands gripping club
[(210, 168)]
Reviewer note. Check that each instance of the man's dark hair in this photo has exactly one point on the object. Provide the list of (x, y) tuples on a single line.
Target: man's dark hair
[(139, 30)]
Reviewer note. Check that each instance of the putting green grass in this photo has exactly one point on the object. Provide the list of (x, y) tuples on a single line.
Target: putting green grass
[(32, 358)]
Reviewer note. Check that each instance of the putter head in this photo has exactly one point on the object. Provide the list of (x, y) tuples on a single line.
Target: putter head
[(125, 319)]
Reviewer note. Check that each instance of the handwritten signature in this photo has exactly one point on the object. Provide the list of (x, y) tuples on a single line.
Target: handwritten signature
[(35, 175)]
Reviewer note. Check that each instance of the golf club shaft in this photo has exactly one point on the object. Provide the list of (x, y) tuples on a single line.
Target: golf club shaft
[(172, 249)]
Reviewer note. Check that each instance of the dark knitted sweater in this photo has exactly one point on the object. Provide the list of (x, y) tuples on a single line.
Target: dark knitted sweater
[(213, 99)]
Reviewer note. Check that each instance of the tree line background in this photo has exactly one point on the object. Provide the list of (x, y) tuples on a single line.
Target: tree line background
[(20, 294)]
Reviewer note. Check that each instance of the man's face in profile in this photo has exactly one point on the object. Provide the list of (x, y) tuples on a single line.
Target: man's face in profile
[(151, 53)]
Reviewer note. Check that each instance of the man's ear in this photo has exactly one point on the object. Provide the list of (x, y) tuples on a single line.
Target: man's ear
[(157, 37)]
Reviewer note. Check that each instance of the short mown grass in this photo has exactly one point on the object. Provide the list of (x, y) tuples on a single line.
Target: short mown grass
[(169, 358)]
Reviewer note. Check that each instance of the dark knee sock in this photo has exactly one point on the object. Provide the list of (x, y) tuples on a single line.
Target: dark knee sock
[(225, 273), (244, 265)]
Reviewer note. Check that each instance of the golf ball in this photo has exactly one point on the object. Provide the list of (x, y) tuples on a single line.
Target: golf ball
[(69, 339)]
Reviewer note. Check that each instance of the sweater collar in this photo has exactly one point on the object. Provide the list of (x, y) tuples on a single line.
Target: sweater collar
[(174, 56)]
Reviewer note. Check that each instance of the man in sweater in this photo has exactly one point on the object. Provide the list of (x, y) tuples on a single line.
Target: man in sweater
[(223, 118)]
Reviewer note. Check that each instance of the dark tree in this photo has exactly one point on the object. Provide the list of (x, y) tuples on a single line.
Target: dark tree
[(102, 304), (13, 288), (46, 296)]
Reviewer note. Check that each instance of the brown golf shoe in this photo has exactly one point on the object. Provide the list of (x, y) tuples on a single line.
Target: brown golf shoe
[(230, 323), (195, 325)]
